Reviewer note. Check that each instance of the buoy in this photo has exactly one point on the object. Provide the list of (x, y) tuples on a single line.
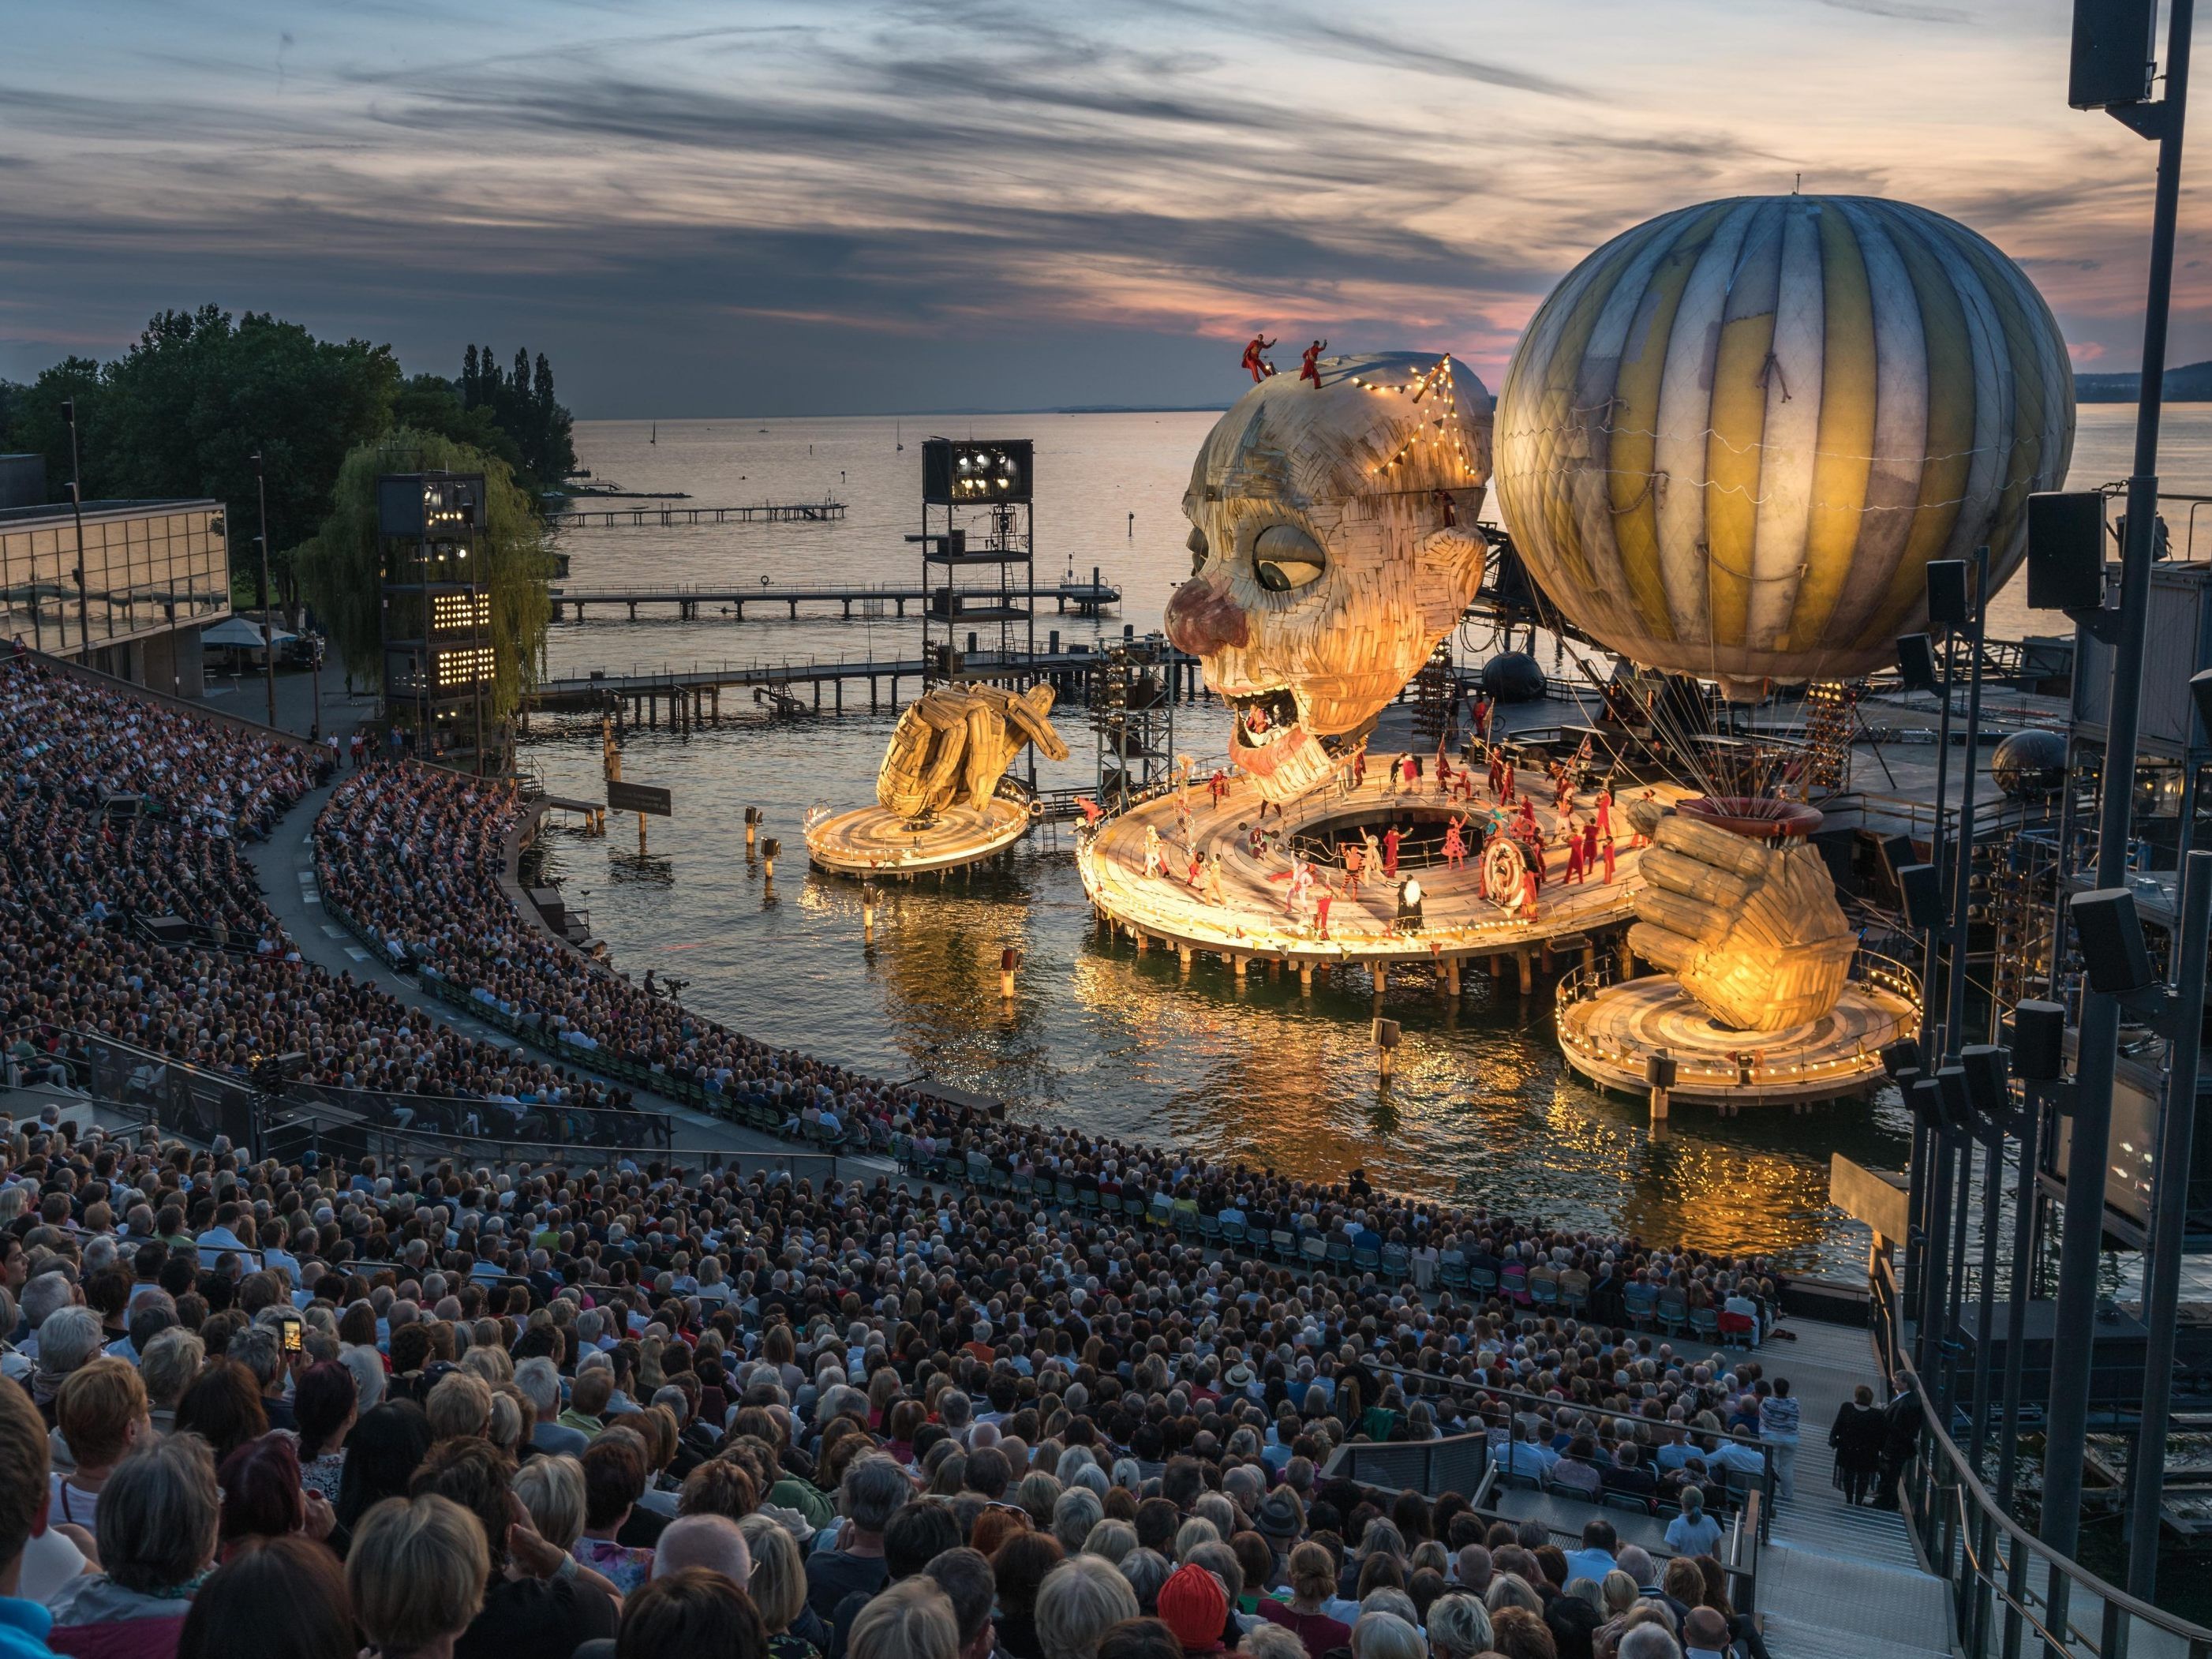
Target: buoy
[(1009, 960), (769, 848)]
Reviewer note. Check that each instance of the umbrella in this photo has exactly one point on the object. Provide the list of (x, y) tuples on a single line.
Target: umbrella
[(240, 631)]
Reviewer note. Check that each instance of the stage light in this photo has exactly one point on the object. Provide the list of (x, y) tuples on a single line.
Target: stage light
[(2113, 950), (1946, 594), (1916, 661), (2039, 1042)]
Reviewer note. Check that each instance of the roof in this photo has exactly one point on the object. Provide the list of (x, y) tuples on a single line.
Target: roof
[(17, 518)]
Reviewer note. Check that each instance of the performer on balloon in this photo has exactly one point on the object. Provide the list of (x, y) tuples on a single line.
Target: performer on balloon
[(1309, 362), (1260, 368)]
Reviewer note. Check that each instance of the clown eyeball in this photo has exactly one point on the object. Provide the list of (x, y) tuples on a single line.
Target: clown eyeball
[(1284, 557)]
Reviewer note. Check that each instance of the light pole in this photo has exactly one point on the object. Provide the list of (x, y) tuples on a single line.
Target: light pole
[(76, 512), (268, 594), (2089, 1143)]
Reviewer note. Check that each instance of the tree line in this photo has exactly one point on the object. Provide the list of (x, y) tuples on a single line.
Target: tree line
[(182, 412)]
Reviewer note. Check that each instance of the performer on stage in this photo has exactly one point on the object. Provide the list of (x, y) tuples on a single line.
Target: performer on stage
[(1260, 368), (1390, 839), (1217, 786), (1322, 902), (1605, 810), (1606, 848), (1455, 846), (1530, 885), (1374, 851), (1354, 861), (1309, 362), (1574, 857), (1154, 858)]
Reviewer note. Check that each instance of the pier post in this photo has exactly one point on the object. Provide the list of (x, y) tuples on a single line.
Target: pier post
[(1451, 976), (1381, 973), (1305, 979), (1528, 974), (868, 915), (1182, 957), (1659, 1110), (1236, 965)]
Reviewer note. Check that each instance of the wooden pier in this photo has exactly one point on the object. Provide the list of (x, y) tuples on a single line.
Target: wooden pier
[(683, 698), (1090, 598), (608, 517)]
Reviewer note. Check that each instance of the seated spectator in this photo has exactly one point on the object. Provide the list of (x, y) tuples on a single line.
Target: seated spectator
[(277, 1598), (158, 1517), (693, 1610), (1692, 1532), (912, 1620), (417, 1571), (382, 1453), (1076, 1603), (263, 1497), (103, 1414)]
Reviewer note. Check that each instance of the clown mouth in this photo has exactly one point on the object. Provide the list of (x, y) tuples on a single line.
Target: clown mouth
[(1267, 719)]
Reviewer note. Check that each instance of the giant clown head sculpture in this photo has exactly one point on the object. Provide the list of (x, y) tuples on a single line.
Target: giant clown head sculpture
[(1332, 545)]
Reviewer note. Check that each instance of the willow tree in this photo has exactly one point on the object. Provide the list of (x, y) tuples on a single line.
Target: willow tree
[(342, 567)]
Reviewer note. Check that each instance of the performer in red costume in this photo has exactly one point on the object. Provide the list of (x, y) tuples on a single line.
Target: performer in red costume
[(1259, 365), (1309, 362)]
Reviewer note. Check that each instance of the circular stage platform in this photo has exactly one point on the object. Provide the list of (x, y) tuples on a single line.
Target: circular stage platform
[(1249, 922), (1608, 1033), (871, 841)]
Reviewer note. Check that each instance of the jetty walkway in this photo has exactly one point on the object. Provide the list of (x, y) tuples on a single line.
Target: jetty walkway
[(605, 518), (1090, 598)]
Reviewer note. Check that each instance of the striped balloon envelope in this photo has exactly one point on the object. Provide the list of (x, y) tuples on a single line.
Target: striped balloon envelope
[(1733, 438)]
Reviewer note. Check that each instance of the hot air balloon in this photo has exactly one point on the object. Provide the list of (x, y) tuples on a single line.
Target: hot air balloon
[(1732, 440)]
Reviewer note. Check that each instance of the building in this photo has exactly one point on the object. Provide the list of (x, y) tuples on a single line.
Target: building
[(154, 575), (22, 480)]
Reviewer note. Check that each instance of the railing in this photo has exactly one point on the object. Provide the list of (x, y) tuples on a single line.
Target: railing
[(2001, 1577)]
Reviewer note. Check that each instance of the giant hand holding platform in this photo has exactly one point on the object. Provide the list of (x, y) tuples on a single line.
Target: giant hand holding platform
[(955, 745), (1752, 933)]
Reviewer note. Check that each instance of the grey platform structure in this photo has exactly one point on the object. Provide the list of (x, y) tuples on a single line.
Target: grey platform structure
[(1089, 598)]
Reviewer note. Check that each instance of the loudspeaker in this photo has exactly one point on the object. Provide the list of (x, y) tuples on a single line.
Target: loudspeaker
[(2200, 687), (2039, 1042), (2065, 549), (2115, 44), (1900, 1057), (1659, 1071), (2113, 951), (1958, 1104), (1915, 662), (1983, 1063), (1922, 888), (1926, 1099), (1946, 594)]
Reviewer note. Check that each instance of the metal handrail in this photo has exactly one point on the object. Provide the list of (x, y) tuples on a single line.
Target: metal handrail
[(1986, 1556)]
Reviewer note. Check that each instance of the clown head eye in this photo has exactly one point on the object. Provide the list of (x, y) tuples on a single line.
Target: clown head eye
[(1196, 543), (1284, 558)]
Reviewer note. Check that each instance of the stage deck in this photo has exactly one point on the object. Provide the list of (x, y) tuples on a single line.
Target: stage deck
[(1608, 1034), (871, 841), (1251, 922)]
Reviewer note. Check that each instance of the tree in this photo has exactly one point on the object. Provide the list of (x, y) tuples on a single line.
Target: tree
[(526, 408), (342, 567)]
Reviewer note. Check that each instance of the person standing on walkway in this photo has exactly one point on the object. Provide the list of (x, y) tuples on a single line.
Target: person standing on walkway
[(1857, 1438), (1778, 1426)]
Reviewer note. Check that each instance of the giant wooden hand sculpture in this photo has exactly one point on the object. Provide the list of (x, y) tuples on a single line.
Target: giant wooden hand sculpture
[(954, 745), (1752, 933)]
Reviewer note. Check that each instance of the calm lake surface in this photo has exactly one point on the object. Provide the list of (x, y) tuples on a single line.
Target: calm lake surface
[(1482, 1104)]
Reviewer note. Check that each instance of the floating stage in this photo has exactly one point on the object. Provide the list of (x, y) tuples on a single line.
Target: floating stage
[(1248, 921), (1609, 1031), (873, 841)]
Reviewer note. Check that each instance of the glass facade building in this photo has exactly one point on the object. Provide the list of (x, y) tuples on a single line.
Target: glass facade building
[(154, 573)]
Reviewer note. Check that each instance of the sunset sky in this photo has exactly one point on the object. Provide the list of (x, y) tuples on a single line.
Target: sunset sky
[(745, 208)]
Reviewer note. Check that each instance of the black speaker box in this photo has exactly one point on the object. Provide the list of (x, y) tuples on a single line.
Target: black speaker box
[(2039, 1042), (1946, 594), (2066, 551), (2113, 950)]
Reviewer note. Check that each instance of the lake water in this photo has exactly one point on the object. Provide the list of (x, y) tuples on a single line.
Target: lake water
[(1481, 1105)]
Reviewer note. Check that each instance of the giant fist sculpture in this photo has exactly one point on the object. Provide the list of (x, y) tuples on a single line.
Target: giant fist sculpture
[(954, 745), (1333, 546), (1754, 932)]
